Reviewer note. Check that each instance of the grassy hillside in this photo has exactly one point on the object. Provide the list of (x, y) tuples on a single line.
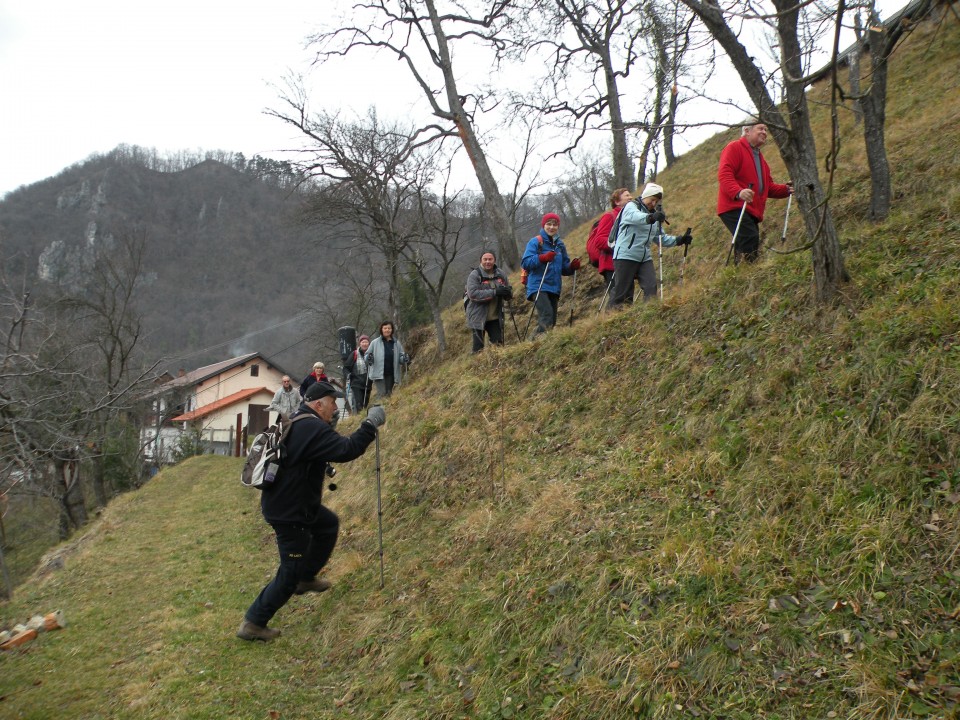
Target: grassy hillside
[(733, 504)]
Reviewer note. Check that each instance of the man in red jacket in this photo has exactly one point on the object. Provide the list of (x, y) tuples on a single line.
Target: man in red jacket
[(745, 179)]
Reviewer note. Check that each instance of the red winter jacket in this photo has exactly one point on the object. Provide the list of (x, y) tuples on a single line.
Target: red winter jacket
[(737, 170), (603, 232)]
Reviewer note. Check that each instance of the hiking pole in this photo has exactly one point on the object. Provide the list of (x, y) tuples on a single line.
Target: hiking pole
[(605, 293), (526, 330), (683, 263), (573, 294), (786, 219), (737, 229), (379, 508), (660, 261), (513, 317)]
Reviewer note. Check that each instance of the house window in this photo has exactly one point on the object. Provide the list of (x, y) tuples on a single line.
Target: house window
[(254, 371)]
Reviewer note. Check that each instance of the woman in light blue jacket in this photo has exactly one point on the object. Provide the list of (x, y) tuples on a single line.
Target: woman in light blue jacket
[(384, 359), (640, 225)]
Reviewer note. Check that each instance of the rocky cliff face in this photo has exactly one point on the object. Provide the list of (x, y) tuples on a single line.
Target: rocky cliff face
[(220, 246)]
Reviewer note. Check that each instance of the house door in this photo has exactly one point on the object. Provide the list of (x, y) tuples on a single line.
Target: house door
[(257, 419)]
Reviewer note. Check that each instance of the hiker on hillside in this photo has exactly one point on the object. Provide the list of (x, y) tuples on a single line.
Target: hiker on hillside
[(618, 198), (487, 288), (317, 374), (745, 181), (306, 531), (385, 360), (356, 368), (546, 260), (640, 227), (286, 400)]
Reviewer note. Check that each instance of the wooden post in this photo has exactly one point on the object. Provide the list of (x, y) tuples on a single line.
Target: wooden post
[(239, 432)]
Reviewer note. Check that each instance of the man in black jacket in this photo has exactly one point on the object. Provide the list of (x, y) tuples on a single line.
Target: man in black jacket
[(306, 531)]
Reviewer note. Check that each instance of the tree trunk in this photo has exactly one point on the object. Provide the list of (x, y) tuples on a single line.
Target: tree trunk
[(644, 159), (874, 109), (622, 167), (792, 133), (392, 259), (73, 511), (506, 238), (100, 493), (668, 155), (799, 150), (854, 75)]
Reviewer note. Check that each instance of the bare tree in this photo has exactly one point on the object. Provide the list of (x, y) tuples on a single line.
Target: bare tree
[(369, 173), (603, 48), (353, 296), (876, 40), (67, 370), (668, 36), (789, 126), (416, 33), (434, 251), (41, 425), (106, 317), (581, 194)]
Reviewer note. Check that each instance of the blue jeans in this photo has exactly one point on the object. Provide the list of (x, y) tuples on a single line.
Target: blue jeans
[(304, 550)]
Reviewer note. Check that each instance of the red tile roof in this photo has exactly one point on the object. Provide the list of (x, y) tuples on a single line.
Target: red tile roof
[(219, 404)]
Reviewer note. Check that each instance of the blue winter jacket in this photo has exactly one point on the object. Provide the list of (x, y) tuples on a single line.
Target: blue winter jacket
[(635, 235), (547, 273)]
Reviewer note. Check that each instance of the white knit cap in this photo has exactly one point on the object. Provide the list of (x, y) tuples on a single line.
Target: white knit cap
[(650, 190)]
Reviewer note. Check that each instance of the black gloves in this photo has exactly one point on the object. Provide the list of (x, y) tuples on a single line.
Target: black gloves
[(503, 291), (685, 239), (655, 217)]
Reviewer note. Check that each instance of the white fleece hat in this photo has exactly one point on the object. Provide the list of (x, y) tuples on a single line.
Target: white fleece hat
[(650, 190)]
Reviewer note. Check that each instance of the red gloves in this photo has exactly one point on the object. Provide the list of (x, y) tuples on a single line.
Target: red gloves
[(575, 264), (547, 256)]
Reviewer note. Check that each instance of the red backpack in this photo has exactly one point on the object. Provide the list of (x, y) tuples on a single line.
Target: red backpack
[(593, 250)]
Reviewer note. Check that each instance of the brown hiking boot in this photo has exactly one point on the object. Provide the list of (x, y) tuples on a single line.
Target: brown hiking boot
[(317, 586), (249, 631)]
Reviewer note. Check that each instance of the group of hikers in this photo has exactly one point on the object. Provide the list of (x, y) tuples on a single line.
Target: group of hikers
[(372, 365), (306, 531), (621, 243)]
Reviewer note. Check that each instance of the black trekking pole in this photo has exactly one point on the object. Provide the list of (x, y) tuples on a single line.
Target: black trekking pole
[(573, 295), (379, 508), (683, 263), (513, 317), (660, 260), (737, 229)]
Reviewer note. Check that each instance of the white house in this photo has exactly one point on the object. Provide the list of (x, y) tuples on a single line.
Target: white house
[(219, 402)]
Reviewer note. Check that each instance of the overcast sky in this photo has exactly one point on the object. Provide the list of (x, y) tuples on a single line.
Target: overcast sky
[(83, 77)]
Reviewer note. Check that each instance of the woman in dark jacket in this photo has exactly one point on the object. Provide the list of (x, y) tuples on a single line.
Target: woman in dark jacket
[(317, 374), (357, 370)]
